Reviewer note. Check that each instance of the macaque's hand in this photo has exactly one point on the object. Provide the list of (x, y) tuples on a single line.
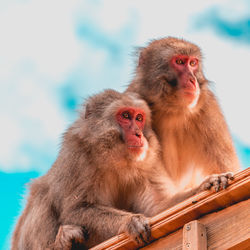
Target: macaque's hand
[(217, 181), (139, 229)]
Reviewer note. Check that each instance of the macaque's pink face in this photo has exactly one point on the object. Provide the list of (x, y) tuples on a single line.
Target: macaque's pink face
[(132, 121), (185, 68)]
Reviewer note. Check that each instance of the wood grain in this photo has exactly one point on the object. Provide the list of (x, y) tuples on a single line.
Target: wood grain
[(173, 241), (226, 229), (194, 236)]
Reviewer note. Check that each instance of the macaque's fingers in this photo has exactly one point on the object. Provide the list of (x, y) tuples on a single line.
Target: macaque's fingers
[(224, 182), (217, 181), (139, 229), (224, 178), (148, 231), (205, 185), (230, 175), (216, 184)]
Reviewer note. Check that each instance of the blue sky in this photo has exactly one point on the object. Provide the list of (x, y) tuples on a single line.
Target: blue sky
[(53, 54)]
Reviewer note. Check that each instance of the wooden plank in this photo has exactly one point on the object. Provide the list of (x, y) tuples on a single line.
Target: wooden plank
[(244, 245), (174, 218), (229, 227), (172, 241), (226, 229), (194, 236)]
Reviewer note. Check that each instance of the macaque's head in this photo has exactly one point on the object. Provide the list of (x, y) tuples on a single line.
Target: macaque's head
[(116, 122), (170, 72)]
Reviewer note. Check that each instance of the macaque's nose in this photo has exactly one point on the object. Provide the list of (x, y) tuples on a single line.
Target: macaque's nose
[(138, 133), (192, 80)]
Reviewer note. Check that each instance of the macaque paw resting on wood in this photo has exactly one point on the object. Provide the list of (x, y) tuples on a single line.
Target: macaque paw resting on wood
[(217, 181), (138, 228)]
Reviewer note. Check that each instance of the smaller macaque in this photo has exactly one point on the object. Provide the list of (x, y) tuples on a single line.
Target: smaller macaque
[(107, 179)]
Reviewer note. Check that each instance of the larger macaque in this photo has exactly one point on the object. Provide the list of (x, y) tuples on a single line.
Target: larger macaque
[(107, 179), (186, 116)]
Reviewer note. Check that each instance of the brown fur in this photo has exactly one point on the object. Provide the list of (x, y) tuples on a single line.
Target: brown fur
[(195, 141)]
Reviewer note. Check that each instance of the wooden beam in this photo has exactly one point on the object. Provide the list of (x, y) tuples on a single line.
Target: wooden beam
[(194, 236), (171, 241)]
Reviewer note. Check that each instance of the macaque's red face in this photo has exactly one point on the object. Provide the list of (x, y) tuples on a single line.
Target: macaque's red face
[(132, 121), (185, 68)]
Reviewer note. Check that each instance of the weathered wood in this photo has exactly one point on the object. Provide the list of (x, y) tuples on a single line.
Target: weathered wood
[(172, 241), (244, 245), (226, 229), (201, 204), (229, 227), (194, 236)]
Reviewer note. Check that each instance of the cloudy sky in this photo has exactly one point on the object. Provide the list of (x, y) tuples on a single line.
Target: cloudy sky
[(53, 54)]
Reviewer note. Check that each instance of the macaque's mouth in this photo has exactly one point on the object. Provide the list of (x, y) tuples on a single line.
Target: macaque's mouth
[(135, 150), (189, 92), (189, 87), (131, 146)]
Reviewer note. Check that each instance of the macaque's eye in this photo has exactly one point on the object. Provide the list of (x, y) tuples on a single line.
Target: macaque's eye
[(179, 61), (139, 117), (126, 115), (193, 63)]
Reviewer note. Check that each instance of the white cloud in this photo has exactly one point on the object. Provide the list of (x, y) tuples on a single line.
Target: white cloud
[(29, 116), (227, 65), (41, 32), (38, 49), (110, 15)]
